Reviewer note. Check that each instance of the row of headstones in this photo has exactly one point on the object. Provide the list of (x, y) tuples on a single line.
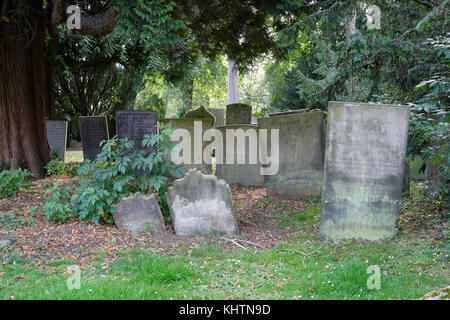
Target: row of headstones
[(359, 176)]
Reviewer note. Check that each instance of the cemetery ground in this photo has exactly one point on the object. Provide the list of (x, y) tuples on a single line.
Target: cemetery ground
[(277, 255)]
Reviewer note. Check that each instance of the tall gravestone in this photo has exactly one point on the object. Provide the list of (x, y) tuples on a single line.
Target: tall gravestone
[(238, 113), (194, 128), (219, 115), (248, 172), (364, 166), (134, 125), (93, 131), (301, 154), (57, 137)]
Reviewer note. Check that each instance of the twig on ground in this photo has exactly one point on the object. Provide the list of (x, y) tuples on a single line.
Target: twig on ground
[(306, 255), (234, 242)]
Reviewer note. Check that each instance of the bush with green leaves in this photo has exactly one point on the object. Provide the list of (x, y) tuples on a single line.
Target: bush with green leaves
[(117, 172), (12, 181), (59, 168)]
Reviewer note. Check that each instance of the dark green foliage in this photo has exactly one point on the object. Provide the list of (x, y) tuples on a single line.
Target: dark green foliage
[(59, 168), (115, 174), (12, 181)]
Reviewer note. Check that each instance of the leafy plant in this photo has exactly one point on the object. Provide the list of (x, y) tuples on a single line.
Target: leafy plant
[(59, 168), (12, 181), (117, 172)]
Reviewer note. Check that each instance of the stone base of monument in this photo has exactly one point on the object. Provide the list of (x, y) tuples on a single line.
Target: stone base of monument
[(201, 204), (364, 166), (139, 213)]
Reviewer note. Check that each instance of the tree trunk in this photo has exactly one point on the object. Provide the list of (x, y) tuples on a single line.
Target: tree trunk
[(188, 93), (24, 92), (233, 82)]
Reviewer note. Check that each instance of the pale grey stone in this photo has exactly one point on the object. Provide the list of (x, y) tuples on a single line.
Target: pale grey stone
[(57, 137), (6, 241), (139, 213), (201, 204), (364, 166)]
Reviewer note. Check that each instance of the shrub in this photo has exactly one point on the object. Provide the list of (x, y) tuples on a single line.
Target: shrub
[(12, 181), (116, 173), (57, 167)]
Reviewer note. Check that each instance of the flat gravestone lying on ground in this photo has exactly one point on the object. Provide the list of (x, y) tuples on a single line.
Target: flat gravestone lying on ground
[(238, 113), (139, 213), (57, 137), (134, 125), (201, 204), (364, 166), (301, 154), (93, 131)]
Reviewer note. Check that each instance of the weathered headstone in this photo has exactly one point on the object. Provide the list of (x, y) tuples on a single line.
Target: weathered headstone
[(238, 113), (364, 165), (219, 115), (57, 137), (93, 131), (248, 172), (195, 127), (138, 213), (301, 154), (134, 125), (201, 204), (199, 113)]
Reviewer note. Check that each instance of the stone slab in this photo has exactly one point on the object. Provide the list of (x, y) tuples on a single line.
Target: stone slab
[(57, 137), (134, 125), (238, 113), (93, 130)]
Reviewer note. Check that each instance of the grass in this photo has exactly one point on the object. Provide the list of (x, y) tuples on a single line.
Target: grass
[(409, 268), (74, 156)]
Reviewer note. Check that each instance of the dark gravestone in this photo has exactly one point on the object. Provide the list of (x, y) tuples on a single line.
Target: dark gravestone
[(219, 115), (238, 113), (93, 131), (364, 166), (57, 137), (134, 125)]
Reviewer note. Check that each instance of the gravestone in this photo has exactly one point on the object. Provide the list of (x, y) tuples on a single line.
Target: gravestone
[(301, 154), (134, 125), (57, 137), (199, 113), (93, 130), (245, 173), (364, 166), (195, 127), (238, 113), (219, 115), (138, 213), (201, 204)]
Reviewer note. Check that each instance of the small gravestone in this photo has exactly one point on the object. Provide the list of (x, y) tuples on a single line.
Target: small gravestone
[(57, 137), (199, 113), (138, 213), (238, 113), (201, 204), (364, 166), (93, 131), (219, 115), (134, 125), (301, 149)]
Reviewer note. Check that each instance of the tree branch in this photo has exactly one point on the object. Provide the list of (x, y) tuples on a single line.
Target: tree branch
[(424, 3)]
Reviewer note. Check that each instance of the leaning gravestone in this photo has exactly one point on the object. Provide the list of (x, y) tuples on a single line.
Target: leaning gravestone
[(134, 125), (93, 131), (238, 113), (138, 213), (199, 113), (240, 164), (301, 154), (364, 165), (194, 145), (57, 137), (219, 115), (201, 204)]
